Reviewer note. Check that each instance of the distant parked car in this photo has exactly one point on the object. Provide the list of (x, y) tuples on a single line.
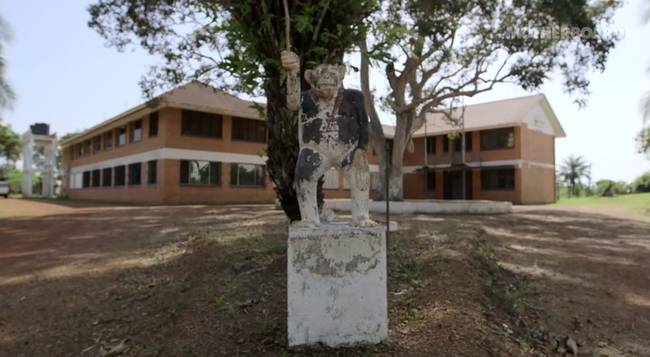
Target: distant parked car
[(4, 188)]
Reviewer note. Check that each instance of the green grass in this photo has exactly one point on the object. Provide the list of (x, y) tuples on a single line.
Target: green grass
[(638, 203)]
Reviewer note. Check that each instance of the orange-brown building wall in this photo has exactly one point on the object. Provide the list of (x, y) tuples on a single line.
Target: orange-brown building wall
[(168, 188), (538, 185), (532, 184)]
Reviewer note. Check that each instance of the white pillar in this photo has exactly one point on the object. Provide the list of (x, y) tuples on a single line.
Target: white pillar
[(336, 288), (48, 170), (28, 153)]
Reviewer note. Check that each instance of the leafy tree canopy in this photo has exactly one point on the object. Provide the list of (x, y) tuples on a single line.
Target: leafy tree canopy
[(10, 143), (236, 44)]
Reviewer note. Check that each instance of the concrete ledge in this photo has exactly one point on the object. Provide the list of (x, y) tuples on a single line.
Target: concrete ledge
[(426, 206)]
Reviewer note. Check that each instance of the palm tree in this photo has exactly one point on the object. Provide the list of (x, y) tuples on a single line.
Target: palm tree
[(572, 171)]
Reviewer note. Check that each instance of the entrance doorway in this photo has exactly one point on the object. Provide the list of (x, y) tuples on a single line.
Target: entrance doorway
[(453, 184)]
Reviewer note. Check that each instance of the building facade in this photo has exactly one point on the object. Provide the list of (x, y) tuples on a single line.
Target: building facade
[(196, 144)]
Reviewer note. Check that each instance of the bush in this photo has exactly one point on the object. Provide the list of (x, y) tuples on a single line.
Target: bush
[(642, 183), (609, 188)]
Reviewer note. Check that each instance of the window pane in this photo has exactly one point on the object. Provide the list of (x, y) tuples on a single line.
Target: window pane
[(121, 136), (498, 179), (196, 172), (498, 139), (86, 179), (215, 173), (119, 175), (97, 144), (431, 181), (246, 175), (136, 131), (431, 145), (96, 178), (107, 177), (108, 140), (153, 124), (248, 130), (201, 124), (199, 172), (152, 172), (135, 173)]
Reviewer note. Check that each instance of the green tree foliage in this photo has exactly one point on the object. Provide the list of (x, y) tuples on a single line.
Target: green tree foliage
[(236, 45), (609, 188), (435, 53), (572, 171), (642, 183), (6, 93), (643, 138), (10, 144)]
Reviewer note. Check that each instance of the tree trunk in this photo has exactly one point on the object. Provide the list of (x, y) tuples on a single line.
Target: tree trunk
[(377, 140), (402, 136), (282, 146), (396, 183)]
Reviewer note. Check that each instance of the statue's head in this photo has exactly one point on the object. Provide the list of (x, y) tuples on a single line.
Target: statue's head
[(325, 79)]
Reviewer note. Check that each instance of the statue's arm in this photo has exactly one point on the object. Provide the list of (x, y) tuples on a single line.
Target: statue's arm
[(291, 63)]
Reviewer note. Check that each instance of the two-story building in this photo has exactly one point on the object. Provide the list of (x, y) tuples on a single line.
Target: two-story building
[(196, 144)]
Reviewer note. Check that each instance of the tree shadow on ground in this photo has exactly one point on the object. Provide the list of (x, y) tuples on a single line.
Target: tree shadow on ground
[(590, 273), (213, 282)]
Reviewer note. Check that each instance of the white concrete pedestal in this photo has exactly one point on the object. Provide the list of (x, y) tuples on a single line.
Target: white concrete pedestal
[(336, 290)]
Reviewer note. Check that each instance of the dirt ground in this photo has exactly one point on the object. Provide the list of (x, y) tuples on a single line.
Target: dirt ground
[(95, 280)]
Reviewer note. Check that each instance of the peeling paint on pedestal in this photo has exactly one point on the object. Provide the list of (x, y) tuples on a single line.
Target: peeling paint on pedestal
[(336, 290)]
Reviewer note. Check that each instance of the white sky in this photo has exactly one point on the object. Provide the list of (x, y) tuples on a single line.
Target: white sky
[(65, 75)]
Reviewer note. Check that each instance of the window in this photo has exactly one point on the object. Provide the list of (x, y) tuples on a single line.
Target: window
[(458, 143), (201, 124), (97, 144), (121, 136), (136, 131), (431, 181), (153, 124), (108, 140), (331, 180), (498, 179), (86, 179), (445, 142), (248, 130), (431, 145), (107, 177), (246, 175), (78, 151), (194, 172), (88, 146), (120, 174), (152, 172), (135, 173), (498, 139), (96, 177)]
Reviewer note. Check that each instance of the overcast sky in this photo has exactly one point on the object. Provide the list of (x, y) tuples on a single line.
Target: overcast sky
[(64, 75)]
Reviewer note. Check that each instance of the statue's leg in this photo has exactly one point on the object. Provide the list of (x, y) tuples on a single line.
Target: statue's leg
[(359, 178), (310, 167)]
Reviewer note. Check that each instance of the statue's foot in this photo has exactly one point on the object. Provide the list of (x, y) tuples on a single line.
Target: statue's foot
[(364, 223), (305, 224)]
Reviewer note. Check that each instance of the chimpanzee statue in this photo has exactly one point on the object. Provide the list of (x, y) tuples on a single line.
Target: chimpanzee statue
[(333, 132)]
